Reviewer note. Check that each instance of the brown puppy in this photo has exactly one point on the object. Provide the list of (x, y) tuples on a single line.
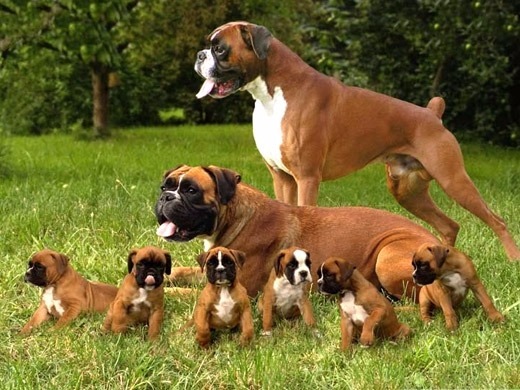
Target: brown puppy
[(140, 298), (363, 309), (223, 303), (211, 203), (446, 275), (309, 128), (66, 293), (286, 293)]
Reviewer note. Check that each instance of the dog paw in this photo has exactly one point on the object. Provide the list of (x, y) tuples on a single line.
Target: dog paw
[(266, 333), (317, 334), (497, 317)]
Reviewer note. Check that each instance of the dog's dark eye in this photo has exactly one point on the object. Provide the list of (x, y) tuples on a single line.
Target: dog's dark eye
[(219, 50), (192, 190)]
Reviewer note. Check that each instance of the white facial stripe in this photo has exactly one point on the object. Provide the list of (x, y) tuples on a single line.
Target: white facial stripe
[(320, 280), (207, 67), (300, 256), (219, 257), (214, 35)]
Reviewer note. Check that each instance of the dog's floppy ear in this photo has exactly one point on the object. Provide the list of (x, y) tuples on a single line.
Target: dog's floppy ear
[(257, 38), (130, 260), (168, 268), (61, 262), (240, 257), (226, 181), (201, 259), (345, 269), (278, 264), (440, 253)]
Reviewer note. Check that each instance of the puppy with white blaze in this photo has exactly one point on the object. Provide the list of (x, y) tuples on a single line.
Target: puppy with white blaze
[(286, 293)]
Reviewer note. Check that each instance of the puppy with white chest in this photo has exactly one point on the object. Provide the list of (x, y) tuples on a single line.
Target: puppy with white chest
[(363, 309), (140, 298), (223, 303), (445, 275), (66, 293), (286, 293)]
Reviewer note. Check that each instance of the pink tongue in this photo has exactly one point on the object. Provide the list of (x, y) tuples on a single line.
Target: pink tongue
[(205, 89), (167, 229), (149, 280)]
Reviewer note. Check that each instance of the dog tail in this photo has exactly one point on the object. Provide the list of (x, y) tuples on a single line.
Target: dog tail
[(437, 105)]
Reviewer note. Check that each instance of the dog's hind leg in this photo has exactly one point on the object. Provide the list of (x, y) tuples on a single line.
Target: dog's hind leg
[(443, 161), (410, 187)]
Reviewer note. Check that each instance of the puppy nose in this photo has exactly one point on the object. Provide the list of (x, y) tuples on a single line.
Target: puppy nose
[(201, 56), (303, 274)]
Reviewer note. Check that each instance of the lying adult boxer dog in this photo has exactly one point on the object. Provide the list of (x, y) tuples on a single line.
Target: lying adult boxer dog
[(310, 127), (140, 298), (286, 293), (211, 203), (446, 275), (66, 293), (223, 303), (364, 311)]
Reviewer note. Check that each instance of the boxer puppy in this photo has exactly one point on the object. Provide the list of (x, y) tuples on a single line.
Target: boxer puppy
[(212, 204), (140, 298), (364, 311), (223, 303), (309, 128), (66, 294), (446, 275), (286, 293)]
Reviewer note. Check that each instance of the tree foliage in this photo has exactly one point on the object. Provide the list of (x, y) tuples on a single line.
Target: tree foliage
[(51, 52), (467, 51)]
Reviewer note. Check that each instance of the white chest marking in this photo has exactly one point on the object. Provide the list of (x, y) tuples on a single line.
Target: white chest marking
[(142, 298), (267, 122), (286, 295), (225, 305), (455, 283), (356, 313), (50, 302)]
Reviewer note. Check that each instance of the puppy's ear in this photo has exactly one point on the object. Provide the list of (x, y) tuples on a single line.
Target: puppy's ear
[(226, 181), (240, 257), (130, 260), (61, 262), (440, 253), (345, 269), (168, 268), (278, 264), (201, 259), (258, 38)]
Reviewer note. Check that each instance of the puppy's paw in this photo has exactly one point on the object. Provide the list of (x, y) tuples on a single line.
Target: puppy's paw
[(266, 333)]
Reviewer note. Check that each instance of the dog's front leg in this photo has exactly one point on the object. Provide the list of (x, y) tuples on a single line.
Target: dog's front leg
[(68, 315), (347, 331), (367, 334), (40, 315), (266, 304), (154, 323), (246, 325), (201, 318)]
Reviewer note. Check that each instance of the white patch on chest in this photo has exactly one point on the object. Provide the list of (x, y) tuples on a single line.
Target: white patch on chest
[(141, 298), (267, 122), (50, 302), (356, 313), (455, 283), (225, 305), (286, 295)]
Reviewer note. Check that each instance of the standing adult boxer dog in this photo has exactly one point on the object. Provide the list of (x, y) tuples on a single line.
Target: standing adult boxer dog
[(310, 127), (211, 203)]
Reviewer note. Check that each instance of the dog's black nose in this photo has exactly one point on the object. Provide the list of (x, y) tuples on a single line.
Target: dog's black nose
[(201, 56), (303, 274), (167, 196)]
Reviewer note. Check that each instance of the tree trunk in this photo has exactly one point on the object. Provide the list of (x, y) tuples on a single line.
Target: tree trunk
[(100, 74)]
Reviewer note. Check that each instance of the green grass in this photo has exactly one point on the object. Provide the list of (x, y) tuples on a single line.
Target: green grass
[(94, 201)]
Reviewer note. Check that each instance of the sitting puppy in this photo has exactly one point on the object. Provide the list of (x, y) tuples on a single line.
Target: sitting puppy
[(286, 293), (140, 298), (446, 274), (66, 293), (223, 303), (363, 309)]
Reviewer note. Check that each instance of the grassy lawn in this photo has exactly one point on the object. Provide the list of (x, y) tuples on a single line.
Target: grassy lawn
[(94, 201)]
